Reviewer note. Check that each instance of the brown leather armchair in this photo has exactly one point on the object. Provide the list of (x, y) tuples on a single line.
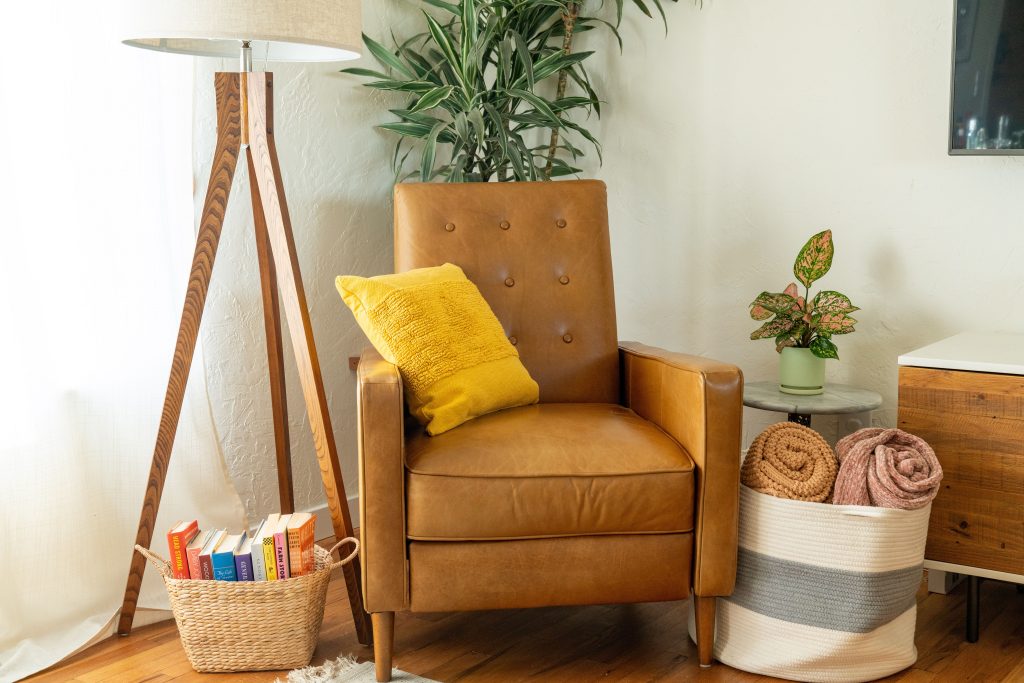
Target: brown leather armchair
[(620, 486)]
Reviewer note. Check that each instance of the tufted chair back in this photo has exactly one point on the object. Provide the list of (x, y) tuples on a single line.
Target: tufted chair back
[(540, 254)]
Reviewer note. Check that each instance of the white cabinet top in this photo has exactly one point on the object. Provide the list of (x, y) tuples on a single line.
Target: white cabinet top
[(999, 352)]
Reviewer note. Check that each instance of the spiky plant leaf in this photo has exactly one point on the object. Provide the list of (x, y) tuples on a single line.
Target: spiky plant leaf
[(433, 98), (370, 73), (454, 9), (402, 86), (385, 57), (430, 151)]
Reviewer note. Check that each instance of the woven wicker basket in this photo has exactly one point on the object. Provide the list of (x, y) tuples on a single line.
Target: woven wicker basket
[(250, 625)]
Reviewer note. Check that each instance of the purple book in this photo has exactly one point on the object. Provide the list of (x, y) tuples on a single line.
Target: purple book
[(243, 560)]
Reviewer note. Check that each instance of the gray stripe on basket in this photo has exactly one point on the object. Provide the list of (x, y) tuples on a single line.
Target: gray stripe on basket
[(853, 602)]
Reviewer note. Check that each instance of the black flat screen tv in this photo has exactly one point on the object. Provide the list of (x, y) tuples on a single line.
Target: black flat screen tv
[(987, 100)]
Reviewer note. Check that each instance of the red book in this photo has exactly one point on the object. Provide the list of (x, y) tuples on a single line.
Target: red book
[(300, 543), (205, 559), (177, 540), (195, 546)]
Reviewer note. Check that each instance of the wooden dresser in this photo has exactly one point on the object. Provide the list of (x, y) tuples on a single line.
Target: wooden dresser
[(965, 396)]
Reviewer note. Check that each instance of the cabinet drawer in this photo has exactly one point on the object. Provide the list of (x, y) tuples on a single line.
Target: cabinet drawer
[(975, 423)]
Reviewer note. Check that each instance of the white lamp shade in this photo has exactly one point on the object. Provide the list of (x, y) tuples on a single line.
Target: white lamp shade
[(278, 30)]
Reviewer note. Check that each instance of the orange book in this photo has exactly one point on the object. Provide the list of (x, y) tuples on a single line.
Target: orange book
[(192, 550), (301, 529), (178, 539)]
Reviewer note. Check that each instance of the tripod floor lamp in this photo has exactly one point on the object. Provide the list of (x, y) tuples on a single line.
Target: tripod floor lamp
[(272, 30)]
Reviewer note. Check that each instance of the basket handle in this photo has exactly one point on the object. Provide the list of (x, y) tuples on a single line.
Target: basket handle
[(351, 556), (160, 563)]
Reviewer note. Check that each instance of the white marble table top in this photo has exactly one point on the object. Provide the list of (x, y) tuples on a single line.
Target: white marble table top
[(998, 352), (838, 398)]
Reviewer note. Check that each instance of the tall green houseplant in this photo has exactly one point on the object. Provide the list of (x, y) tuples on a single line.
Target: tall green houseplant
[(488, 81)]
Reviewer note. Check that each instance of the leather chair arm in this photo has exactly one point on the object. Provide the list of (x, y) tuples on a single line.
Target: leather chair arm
[(699, 402), (381, 484)]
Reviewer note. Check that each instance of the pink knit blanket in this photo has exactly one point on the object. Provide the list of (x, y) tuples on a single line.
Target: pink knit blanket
[(886, 468)]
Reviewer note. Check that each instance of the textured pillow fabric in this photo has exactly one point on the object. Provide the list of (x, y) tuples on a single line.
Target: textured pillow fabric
[(434, 324)]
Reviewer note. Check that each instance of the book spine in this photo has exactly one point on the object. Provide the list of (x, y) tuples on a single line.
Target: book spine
[(306, 539), (270, 557), (281, 555), (295, 552), (179, 568), (259, 565), (225, 572), (206, 567), (243, 567), (177, 543), (194, 570)]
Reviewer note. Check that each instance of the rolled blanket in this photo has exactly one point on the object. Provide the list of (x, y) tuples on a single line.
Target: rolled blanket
[(886, 468), (788, 460)]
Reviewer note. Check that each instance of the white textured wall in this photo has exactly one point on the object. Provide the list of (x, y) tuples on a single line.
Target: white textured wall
[(727, 144), (756, 124)]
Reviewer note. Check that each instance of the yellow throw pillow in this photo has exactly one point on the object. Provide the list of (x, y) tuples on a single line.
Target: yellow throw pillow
[(434, 324)]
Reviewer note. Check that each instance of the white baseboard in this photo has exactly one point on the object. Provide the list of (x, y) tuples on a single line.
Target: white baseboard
[(324, 528), (943, 582)]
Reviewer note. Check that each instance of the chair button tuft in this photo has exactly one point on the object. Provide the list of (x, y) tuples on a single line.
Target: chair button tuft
[(512, 340), (561, 223), (564, 279), (504, 225), (509, 282), (449, 227), (567, 338)]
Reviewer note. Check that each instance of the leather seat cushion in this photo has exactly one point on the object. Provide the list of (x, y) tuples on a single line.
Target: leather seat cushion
[(547, 470)]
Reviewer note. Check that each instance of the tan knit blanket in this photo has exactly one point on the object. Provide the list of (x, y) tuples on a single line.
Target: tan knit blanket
[(788, 460), (886, 468)]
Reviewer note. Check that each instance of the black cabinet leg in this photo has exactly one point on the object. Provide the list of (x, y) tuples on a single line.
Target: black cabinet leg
[(973, 598)]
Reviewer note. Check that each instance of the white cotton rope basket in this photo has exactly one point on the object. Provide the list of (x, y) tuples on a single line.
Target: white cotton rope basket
[(250, 625), (823, 592)]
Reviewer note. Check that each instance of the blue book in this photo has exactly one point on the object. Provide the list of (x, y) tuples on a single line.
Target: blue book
[(244, 570), (223, 558)]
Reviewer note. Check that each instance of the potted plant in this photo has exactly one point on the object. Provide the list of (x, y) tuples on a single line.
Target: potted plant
[(803, 327), (485, 80)]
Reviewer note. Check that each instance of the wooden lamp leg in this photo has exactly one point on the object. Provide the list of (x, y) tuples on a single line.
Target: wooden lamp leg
[(275, 349), (221, 176), (262, 154)]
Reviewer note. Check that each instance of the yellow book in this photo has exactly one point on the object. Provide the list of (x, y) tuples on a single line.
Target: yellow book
[(266, 542)]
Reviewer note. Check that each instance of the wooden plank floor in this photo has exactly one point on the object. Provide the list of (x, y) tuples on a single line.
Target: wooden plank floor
[(645, 642)]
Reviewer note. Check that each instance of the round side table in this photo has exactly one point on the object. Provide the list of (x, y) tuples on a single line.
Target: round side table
[(837, 399)]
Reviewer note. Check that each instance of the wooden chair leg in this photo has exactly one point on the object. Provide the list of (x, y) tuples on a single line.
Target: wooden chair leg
[(704, 609), (383, 643)]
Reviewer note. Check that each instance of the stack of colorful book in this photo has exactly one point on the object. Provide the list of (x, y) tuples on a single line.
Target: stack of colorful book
[(281, 547)]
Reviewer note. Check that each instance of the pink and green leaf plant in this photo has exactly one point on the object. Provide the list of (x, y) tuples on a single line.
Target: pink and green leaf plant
[(800, 321)]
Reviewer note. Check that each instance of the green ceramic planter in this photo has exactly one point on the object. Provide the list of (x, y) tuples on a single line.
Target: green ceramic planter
[(801, 372)]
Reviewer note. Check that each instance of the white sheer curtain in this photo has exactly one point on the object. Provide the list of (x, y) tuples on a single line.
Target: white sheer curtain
[(96, 237)]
